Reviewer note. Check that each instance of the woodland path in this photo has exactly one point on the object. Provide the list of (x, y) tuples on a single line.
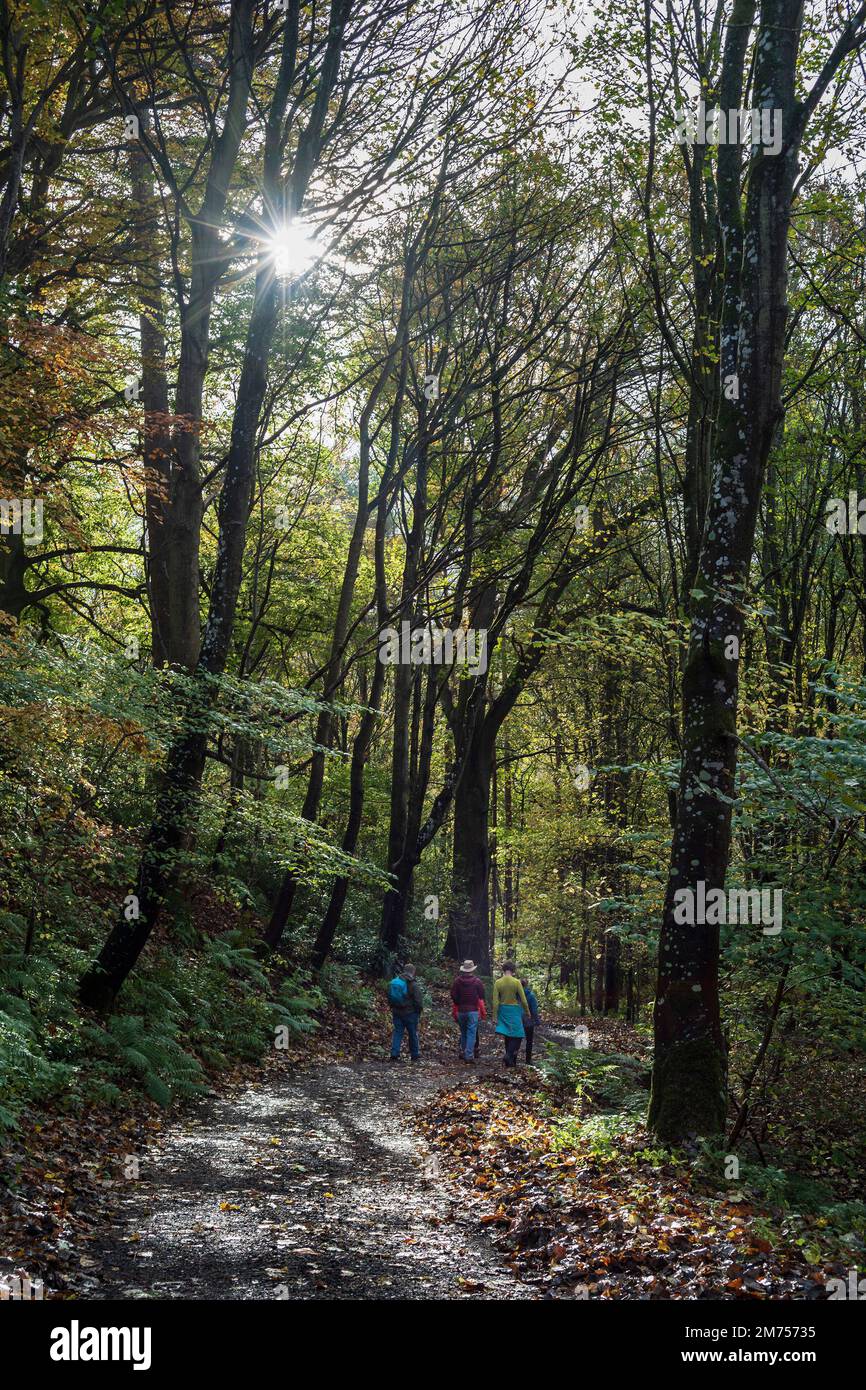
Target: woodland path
[(306, 1185)]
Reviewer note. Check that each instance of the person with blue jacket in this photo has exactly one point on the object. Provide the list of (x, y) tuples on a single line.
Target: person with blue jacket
[(404, 996), (531, 1018)]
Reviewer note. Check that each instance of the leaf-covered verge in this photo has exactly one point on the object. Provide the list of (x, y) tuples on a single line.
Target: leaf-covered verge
[(80, 735), (583, 1202), (67, 1161)]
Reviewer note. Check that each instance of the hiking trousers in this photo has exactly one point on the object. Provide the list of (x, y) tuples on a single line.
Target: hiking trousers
[(512, 1047), (468, 1022), (405, 1025)]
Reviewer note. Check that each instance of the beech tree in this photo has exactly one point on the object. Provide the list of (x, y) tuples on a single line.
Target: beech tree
[(283, 194), (690, 1074)]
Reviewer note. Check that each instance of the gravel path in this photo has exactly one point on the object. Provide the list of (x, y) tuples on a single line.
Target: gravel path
[(310, 1185)]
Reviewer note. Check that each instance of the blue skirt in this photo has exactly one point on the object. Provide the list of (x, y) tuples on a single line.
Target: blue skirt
[(509, 1021)]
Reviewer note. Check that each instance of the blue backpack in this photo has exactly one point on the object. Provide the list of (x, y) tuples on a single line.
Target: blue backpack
[(398, 992)]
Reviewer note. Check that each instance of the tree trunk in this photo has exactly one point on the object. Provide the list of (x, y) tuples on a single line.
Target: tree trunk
[(360, 753), (157, 432), (508, 812), (401, 863), (178, 520), (469, 911), (178, 799), (14, 563), (612, 973), (494, 860), (598, 988), (333, 674), (689, 1074)]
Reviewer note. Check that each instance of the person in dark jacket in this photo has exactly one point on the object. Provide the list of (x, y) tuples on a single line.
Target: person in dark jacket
[(467, 992), (531, 1018), (406, 1015)]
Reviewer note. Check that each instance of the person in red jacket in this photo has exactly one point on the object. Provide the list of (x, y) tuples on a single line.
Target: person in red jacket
[(467, 993)]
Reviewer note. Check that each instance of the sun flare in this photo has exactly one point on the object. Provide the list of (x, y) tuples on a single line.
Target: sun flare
[(293, 249)]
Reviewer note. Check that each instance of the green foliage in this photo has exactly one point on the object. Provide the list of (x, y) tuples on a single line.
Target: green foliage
[(848, 1219), (148, 1050), (79, 736), (595, 1078), (598, 1136), (806, 1203), (181, 1018), (295, 1004), (28, 1073), (342, 986)]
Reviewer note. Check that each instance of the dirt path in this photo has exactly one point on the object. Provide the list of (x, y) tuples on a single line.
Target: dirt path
[(310, 1185)]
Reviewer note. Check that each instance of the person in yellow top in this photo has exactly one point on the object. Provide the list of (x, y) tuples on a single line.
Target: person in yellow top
[(509, 1004)]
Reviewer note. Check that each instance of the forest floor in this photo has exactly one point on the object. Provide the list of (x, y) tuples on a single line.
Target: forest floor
[(331, 1173), (315, 1185), (310, 1180)]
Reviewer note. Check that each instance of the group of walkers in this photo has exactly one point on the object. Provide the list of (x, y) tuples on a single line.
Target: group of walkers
[(514, 1006)]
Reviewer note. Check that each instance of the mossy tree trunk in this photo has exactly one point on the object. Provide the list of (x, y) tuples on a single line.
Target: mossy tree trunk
[(689, 1077)]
